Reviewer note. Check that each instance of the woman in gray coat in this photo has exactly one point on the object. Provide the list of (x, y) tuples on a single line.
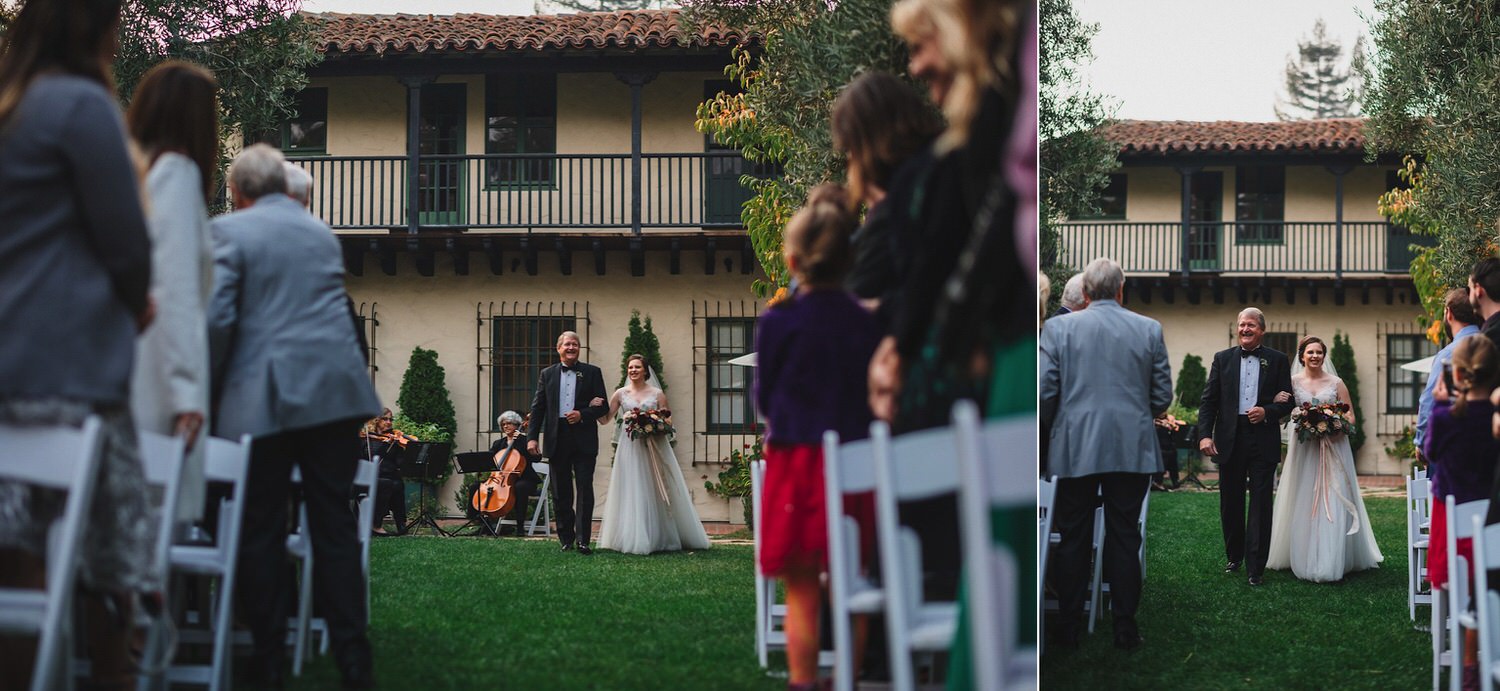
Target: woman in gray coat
[(74, 271)]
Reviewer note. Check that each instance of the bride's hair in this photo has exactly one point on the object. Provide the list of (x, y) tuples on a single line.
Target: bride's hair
[(1302, 348), (636, 356), (1476, 363)]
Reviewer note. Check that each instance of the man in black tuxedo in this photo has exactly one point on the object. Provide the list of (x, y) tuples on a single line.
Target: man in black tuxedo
[(569, 399), (1238, 425)]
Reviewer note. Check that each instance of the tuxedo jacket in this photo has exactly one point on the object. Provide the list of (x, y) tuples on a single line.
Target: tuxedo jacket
[(544, 418), (1217, 416)]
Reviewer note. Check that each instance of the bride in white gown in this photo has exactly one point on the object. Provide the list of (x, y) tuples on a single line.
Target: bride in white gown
[(1319, 528), (648, 508)]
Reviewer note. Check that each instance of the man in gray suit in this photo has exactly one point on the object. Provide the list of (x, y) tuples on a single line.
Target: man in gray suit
[(288, 371), (1104, 376)]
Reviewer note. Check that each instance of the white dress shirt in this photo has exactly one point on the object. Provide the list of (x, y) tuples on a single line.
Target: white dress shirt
[(1249, 382), (567, 387)]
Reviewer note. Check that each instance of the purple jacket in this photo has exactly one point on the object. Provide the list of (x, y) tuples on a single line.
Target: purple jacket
[(1461, 451), (812, 368)]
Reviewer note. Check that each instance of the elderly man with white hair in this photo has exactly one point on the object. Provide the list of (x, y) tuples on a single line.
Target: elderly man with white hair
[(1103, 377), (1072, 296), (288, 371), (298, 183)]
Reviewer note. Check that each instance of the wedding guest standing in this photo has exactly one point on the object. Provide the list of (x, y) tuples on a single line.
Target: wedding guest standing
[(174, 120), (810, 378), (288, 371), (75, 269), (1462, 322), (1104, 377)]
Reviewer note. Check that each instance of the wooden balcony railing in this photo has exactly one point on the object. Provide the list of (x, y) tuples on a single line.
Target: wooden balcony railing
[(532, 191), (1255, 248)]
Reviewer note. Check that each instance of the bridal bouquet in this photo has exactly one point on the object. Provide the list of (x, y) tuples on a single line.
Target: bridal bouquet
[(1316, 420), (640, 424)]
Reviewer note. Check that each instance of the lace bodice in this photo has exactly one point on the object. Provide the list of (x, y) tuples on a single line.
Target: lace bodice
[(648, 402), (1324, 391)]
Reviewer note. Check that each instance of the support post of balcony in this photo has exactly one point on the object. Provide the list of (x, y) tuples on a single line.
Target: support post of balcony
[(636, 81), (413, 146), (1338, 229)]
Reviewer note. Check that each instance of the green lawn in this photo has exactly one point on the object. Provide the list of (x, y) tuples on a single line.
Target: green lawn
[(1205, 629), (484, 613)]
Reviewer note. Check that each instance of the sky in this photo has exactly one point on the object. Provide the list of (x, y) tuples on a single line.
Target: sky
[(1205, 59)]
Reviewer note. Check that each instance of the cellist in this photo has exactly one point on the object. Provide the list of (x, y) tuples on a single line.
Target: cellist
[(511, 438)]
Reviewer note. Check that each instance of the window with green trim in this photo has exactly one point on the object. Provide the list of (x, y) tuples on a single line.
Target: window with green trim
[(1111, 201), (1259, 195), (520, 116), (1403, 389), (306, 133), (730, 409)]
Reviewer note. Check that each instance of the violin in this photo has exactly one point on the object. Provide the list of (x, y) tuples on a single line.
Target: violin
[(394, 436), (497, 495)]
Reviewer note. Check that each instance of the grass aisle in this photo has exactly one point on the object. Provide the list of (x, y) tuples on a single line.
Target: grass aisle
[(477, 613), (1205, 629)]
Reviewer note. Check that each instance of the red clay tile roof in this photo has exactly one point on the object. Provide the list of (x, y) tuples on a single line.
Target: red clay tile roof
[(421, 33), (1175, 137)]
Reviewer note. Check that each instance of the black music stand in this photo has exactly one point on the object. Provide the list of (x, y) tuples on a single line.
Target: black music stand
[(476, 462), (425, 462)]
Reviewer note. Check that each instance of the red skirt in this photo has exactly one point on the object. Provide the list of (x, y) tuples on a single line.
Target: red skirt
[(1437, 550), (794, 523)]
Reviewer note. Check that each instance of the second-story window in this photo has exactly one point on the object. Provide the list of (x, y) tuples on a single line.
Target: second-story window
[(1111, 201), (307, 132), (1259, 195), (520, 115)]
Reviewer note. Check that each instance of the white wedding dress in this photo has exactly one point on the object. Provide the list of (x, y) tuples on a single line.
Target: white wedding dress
[(648, 508), (1319, 528)]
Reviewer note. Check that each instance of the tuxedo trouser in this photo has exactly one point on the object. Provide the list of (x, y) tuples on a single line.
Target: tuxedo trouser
[(570, 465), (1122, 495), (1245, 540), (327, 456)]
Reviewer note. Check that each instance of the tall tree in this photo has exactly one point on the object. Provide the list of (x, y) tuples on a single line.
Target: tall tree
[(1318, 83), (259, 50), (1433, 81), (1075, 158), (809, 50)]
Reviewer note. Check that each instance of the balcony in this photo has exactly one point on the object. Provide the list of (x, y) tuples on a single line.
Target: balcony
[(659, 192), (1259, 248)]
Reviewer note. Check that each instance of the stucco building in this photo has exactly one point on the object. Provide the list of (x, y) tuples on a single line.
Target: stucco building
[(496, 180), (1210, 217)]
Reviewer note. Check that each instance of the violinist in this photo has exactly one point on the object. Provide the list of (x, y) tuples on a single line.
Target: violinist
[(511, 426), (381, 441)]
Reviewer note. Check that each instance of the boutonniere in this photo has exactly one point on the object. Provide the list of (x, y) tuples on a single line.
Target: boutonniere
[(1263, 364)]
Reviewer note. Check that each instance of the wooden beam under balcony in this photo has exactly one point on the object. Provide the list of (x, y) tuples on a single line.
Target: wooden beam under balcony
[(747, 256), (495, 253), (637, 257), (529, 251), (564, 257), (354, 259), (423, 255), (460, 256), (599, 264), (674, 257), (388, 258), (709, 249)]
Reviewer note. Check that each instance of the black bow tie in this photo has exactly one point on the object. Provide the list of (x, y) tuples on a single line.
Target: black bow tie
[(1249, 353), (566, 368)]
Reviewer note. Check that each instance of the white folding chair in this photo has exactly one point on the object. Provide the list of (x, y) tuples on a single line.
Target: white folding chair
[(161, 460), (59, 458), (542, 515), (1098, 588), (1455, 596), (992, 463), (917, 465), (767, 635), (1046, 498), (299, 549), (224, 462), (1487, 602), (366, 476), (847, 468), (1418, 496)]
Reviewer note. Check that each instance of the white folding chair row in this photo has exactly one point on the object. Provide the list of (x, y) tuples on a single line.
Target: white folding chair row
[(991, 461), (848, 468), (1418, 503), (1046, 499), (1098, 589), (767, 635), (224, 462), (65, 459), (161, 461), (914, 466), (1449, 608), (1487, 602)]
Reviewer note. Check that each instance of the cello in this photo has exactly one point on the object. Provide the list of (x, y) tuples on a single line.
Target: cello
[(496, 496)]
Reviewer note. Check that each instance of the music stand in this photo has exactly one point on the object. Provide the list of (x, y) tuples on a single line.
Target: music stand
[(476, 462), (425, 462)]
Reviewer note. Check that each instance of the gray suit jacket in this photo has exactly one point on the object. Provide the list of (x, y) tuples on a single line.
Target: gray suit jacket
[(1104, 375), (285, 356)]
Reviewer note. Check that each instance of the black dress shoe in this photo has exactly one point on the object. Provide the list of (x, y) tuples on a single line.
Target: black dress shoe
[(359, 676), (1128, 640), (1232, 567), (584, 549), (567, 547), (1256, 580), (1065, 637), (265, 671)]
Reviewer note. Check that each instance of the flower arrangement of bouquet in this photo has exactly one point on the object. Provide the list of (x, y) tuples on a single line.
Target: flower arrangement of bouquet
[(640, 424), (1316, 420)]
